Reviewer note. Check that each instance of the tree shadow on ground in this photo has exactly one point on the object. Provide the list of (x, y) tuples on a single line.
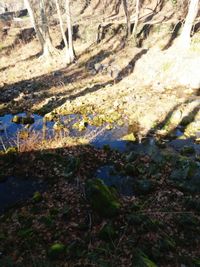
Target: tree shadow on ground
[(23, 60), (174, 127), (25, 36), (130, 66), (65, 77), (174, 35)]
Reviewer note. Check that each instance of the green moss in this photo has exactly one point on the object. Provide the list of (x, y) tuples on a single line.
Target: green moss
[(37, 197), (142, 260), (11, 150), (129, 137), (166, 66), (56, 251), (103, 200)]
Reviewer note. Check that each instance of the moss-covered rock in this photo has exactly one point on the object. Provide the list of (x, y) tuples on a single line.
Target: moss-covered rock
[(56, 251), (16, 119), (102, 199), (37, 197), (23, 120), (129, 137)]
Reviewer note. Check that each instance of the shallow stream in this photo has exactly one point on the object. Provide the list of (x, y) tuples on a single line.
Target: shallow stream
[(13, 190)]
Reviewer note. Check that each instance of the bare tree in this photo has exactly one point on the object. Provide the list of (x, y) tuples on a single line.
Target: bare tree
[(70, 32), (137, 13), (62, 31), (185, 39), (127, 14), (43, 32), (48, 48)]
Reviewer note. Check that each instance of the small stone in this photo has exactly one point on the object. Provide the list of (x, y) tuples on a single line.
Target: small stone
[(37, 197)]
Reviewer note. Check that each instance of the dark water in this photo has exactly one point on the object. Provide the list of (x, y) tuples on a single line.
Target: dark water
[(123, 184), (14, 190)]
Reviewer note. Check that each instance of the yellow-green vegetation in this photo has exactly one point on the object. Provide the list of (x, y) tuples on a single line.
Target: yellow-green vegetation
[(166, 66), (56, 250), (129, 137), (37, 197)]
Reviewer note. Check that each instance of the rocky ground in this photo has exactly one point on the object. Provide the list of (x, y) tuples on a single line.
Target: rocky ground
[(78, 221)]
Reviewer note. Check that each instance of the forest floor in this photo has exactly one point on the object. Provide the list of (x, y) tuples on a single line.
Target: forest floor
[(158, 224)]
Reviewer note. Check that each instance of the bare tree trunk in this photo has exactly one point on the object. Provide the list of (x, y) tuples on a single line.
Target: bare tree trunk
[(63, 31), (48, 48), (184, 38), (33, 21), (69, 27), (43, 33), (137, 12), (127, 14)]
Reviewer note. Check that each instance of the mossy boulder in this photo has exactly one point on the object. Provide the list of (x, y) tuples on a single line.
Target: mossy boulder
[(23, 120), (103, 200), (56, 250)]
